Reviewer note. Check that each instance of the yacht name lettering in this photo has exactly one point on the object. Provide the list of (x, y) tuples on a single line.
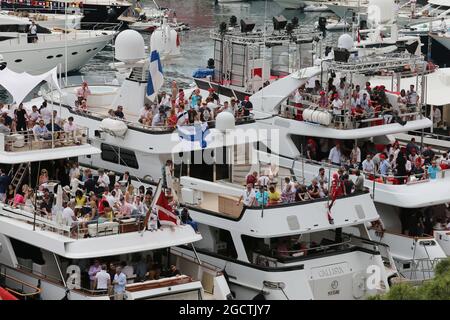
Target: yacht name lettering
[(332, 271)]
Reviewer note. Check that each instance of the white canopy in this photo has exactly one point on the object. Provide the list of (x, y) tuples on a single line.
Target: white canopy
[(271, 96), (19, 85)]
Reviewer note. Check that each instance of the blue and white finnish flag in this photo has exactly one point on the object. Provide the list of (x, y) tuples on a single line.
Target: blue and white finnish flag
[(194, 134), (155, 76)]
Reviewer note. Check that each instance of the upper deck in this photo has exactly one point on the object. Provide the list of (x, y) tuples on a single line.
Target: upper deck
[(22, 147), (215, 204), (82, 240)]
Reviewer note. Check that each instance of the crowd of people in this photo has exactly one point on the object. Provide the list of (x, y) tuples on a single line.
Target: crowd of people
[(88, 197), (40, 123), (362, 106), (262, 190), (170, 110), (393, 163), (110, 275)]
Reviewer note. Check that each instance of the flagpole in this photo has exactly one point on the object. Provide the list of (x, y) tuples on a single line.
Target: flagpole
[(149, 211)]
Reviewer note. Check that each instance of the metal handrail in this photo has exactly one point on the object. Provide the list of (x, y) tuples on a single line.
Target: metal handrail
[(52, 140), (306, 250), (36, 291), (347, 121)]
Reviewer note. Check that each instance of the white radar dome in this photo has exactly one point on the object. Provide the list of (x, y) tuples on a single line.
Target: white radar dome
[(345, 42), (380, 11), (225, 121), (129, 46)]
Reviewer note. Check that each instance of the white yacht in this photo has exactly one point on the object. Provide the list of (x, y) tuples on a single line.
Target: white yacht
[(336, 265), (414, 256), (52, 48), (284, 250), (45, 255), (50, 21)]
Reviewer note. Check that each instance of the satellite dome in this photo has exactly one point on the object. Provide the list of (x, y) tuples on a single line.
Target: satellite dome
[(225, 121), (380, 11), (345, 42), (129, 46)]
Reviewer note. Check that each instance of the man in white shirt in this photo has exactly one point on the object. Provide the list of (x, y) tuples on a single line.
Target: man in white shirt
[(368, 165), (263, 180), (335, 155), (46, 114), (103, 179), (248, 197), (34, 114), (337, 105), (102, 279), (68, 214)]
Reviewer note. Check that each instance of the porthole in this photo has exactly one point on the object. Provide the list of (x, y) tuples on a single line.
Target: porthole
[(88, 50), (18, 60), (74, 53), (59, 55), (49, 57)]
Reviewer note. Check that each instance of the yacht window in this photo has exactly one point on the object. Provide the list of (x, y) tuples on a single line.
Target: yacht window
[(120, 156), (27, 252), (88, 50), (128, 158), (74, 53), (49, 57), (59, 55), (216, 240), (94, 49), (265, 251), (18, 60)]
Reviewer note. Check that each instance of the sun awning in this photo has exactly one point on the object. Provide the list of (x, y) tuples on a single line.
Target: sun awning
[(271, 96), (19, 85), (47, 154)]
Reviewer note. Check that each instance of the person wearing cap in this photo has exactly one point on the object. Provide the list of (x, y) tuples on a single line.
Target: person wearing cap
[(385, 166), (323, 100), (213, 95)]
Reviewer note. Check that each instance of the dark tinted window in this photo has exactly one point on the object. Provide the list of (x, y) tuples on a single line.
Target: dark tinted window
[(124, 157)]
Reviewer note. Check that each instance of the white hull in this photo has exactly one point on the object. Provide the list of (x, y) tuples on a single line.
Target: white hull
[(40, 57), (442, 39)]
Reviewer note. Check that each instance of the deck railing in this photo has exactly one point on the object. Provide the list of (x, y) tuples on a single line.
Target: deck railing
[(28, 141)]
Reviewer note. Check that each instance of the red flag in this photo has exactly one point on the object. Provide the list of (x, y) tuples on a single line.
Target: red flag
[(165, 212), (5, 295)]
